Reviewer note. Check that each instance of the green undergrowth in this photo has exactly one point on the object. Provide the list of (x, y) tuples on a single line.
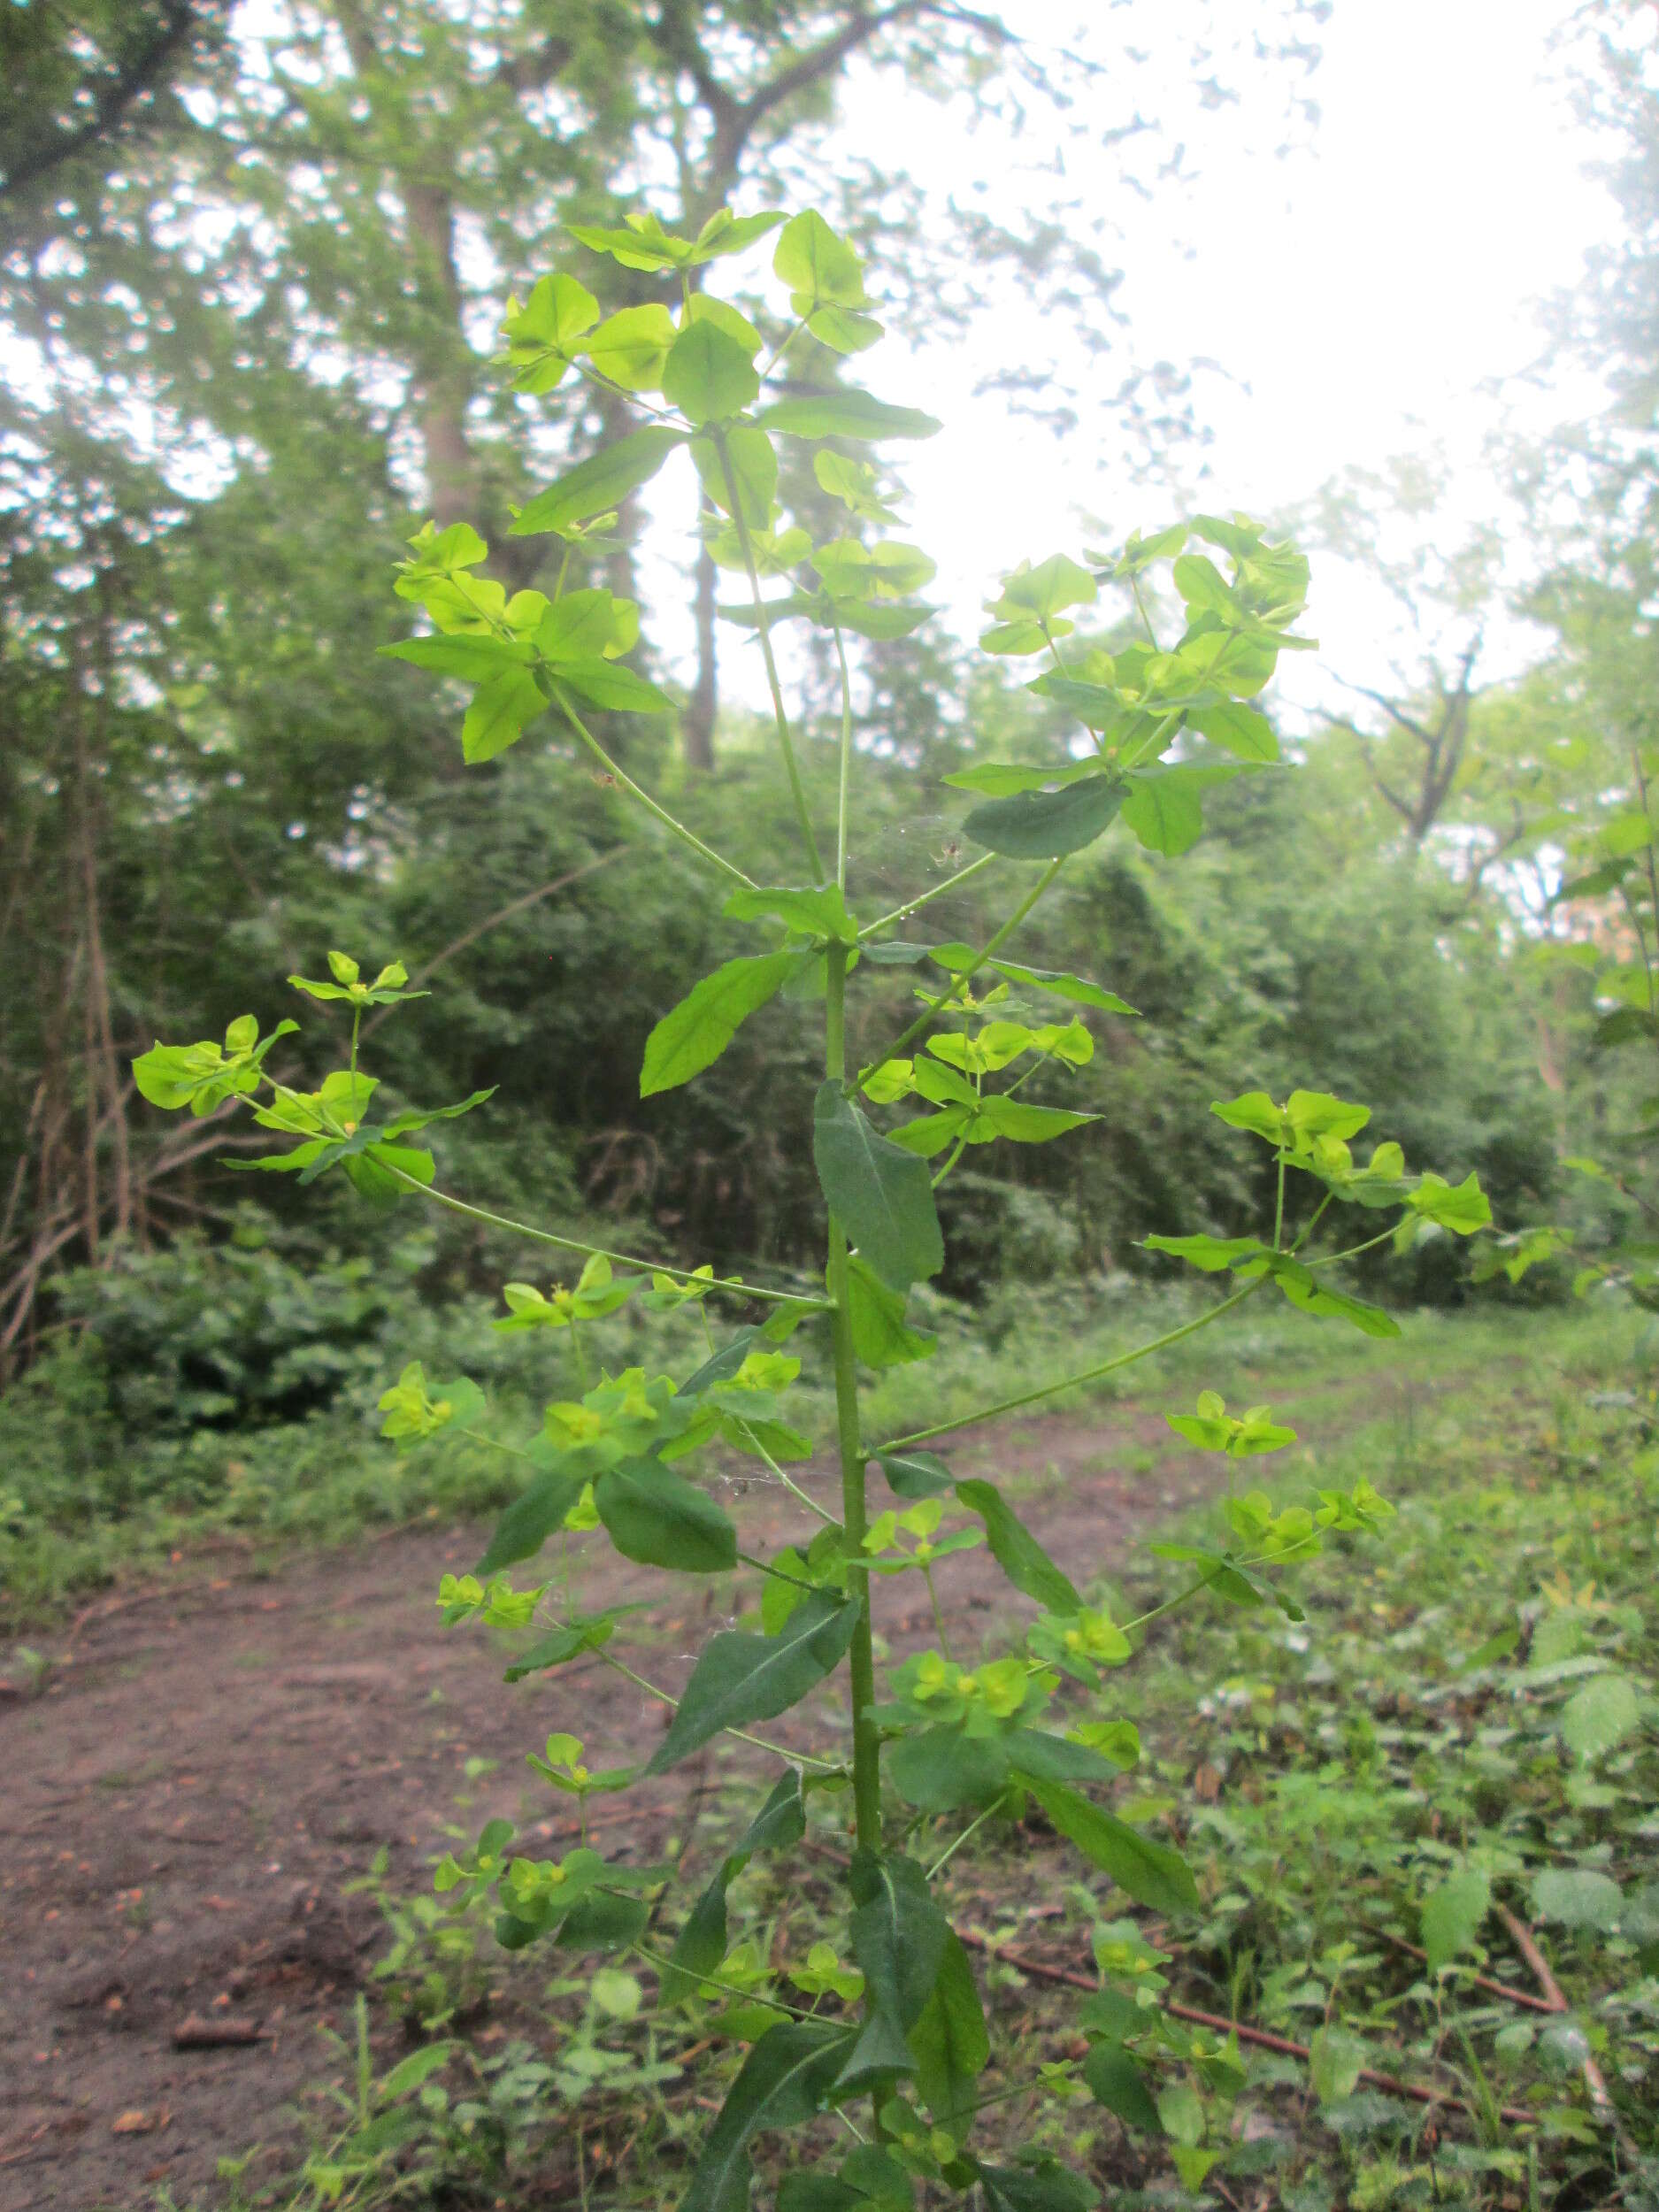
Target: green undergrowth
[(1455, 1753), (105, 1478)]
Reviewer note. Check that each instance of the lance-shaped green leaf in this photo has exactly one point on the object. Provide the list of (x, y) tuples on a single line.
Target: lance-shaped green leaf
[(645, 244), (818, 912), (881, 1195), (1239, 730), (1152, 1873), (708, 374), (475, 660), (739, 1678), (1213, 1254), (704, 1941), (694, 1034), (748, 455), (1044, 824), (881, 1336), (915, 1474), (724, 233), (782, 2083), (1001, 779), (1113, 2079), (657, 1516), (1038, 1757), (846, 413), (872, 619), (531, 1519), (501, 712), (587, 1633), (603, 683), (1017, 1551), (1306, 1291), (949, 2041), (422, 1118), (1075, 988), (1020, 1123), (898, 1936), (599, 483)]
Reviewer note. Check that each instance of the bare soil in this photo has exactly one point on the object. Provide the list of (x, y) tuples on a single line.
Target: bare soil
[(210, 1761)]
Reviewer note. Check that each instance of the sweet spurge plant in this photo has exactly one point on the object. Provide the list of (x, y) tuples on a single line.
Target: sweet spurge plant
[(884, 2028)]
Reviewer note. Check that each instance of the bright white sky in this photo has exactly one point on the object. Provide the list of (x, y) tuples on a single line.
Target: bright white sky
[(1365, 293)]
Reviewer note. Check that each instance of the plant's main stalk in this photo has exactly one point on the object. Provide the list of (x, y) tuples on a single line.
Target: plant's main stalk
[(861, 1658)]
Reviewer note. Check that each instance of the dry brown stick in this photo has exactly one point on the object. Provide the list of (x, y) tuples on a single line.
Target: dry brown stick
[(503, 914), (1480, 1981), (1421, 2093), (1594, 2080), (194, 2034)]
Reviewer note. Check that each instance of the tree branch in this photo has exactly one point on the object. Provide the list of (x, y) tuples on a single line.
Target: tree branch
[(136, 84)]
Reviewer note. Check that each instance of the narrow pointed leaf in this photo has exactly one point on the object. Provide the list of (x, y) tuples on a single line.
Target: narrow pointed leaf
[(657, 1516), (782, 2084), (881, 1195), (598, 484), (1017, 1551), (739, 1678), (1043, 824), (846, 413), (694, 1034), (1152, 1873)]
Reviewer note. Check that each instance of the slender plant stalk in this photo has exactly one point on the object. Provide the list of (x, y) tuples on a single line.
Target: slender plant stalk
[(595, 1251), (659, 813), (912, 906), (959, 982), (1071, 1382), (861, 1658), (804, 813), (972, 1828), (805, 1496), (847, 755)]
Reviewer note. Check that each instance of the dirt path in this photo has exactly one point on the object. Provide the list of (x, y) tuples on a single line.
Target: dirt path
[(207, 1766)]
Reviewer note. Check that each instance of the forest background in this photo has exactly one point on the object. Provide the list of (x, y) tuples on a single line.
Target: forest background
[(253, 264), (254, 259)]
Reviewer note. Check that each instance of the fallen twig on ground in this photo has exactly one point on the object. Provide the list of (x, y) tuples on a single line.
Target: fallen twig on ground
[(1420, 2093)]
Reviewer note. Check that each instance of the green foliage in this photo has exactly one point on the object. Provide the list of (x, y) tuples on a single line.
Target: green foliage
[(620, 1452)]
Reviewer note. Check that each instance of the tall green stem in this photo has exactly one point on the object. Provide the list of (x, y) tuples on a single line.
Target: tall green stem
[(804, 813), (657, 813), (592, 1251), (967, 974), (1071, 1382), (861, 1658), (847, 755), (910, 906)]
